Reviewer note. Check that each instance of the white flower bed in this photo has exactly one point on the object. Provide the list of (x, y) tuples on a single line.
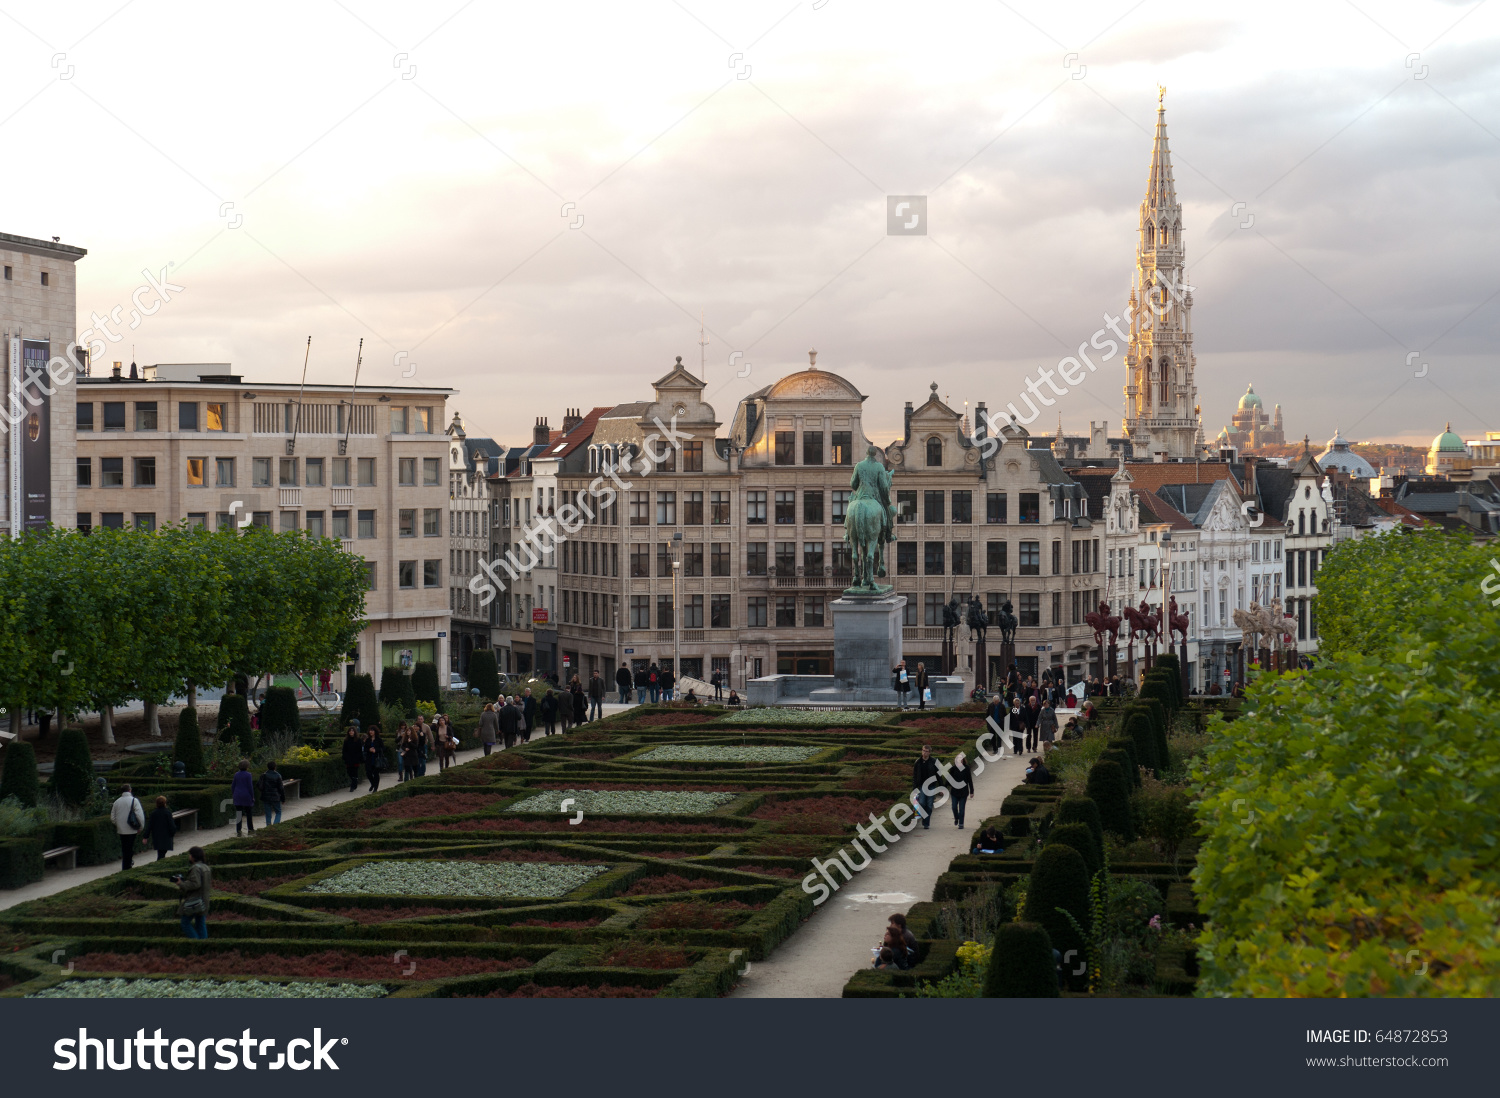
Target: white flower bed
[(546, 880), (653, 802), (207, 989), (680, 752), (812, 717)]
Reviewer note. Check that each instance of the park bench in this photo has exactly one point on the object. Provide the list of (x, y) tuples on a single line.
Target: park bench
[(186, 819), (291, 789), (61, 854)]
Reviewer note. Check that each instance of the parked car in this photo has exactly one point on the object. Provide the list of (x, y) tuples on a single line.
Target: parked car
[(456, 682)]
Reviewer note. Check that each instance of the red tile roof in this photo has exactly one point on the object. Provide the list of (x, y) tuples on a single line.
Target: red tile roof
[(1148, 476)]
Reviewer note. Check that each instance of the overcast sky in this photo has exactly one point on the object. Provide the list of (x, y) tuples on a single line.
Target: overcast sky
[(403, 173)]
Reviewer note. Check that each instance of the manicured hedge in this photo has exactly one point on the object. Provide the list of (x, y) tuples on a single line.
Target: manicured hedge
[(20, 861), (18, 778)]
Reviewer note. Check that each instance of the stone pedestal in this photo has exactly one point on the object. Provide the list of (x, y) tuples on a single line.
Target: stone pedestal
[(981, 664), (1007, 658), (949, 661), (866, 640)]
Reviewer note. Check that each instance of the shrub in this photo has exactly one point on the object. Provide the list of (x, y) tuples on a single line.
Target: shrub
[(1060, 883), (1122, 750), (1166, 815), (396, 690), (20, 821), (484, 675), (188, 747), (73, 774), (1107, 789), (1081, 839), (1140, 730), (360, 703), (1021, 964), (234, 723), (1082, 810), (1161, 685), (18, 779), (424, 683), (278, 713)]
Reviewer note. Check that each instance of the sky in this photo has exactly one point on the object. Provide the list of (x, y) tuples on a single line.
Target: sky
[(537, 205)]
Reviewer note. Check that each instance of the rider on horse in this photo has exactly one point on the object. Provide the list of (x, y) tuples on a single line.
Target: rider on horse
[(871, 482)]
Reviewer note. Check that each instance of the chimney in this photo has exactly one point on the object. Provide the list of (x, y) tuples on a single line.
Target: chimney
[(1159, 456), (981, 421), (148, 372), (114, 374), (907, 421), (572, 418), (541, 434), (1249, 476)]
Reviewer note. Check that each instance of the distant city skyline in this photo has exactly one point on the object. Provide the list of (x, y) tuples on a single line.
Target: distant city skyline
[(528, 204)]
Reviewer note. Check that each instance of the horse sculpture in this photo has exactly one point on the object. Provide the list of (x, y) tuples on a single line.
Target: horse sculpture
[(1177, 623), (868, 524), (1007, 622), (978, 621), (951, 619)]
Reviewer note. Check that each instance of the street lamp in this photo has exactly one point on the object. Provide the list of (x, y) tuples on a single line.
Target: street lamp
[(676, 612)]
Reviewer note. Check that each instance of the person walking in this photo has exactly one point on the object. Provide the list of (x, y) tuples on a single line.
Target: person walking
[(622, 682), (596, 697), (1032, 716), (400, 752), (129, 818), (354, 754), (411, 751), (242, 792), (1047, 725), (925, 767), (194, 886), (374, 752), (509, 718), (961, 778), (580, 701), (426, 743), (901, 683), (1015, 726), (922, 686), (444, 744), (489, 727), (162, 829), (642, 684), (549, 712), (668, 679), (653, 677), (528, 715), (717, 682), (272, 793)]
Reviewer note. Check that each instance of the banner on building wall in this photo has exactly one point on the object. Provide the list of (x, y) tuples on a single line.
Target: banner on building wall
[(36, 439)]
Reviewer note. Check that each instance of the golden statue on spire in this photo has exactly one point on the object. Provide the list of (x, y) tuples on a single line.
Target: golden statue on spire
[(1161, 95)]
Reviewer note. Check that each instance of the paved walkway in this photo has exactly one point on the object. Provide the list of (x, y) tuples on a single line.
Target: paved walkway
[(818, 959), (59, 880)]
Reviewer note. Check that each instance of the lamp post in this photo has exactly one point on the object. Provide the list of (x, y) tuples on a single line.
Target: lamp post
[(676, 625)]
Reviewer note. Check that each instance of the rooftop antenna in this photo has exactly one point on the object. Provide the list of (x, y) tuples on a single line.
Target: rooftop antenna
[(349, 423), (291, 443), (702, 348)]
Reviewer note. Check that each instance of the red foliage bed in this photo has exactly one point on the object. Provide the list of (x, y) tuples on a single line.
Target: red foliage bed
[(640, 955), (248, 886), (328, 963), (625, 827), (696, 915), (670, 882), (847, 810), (368, 915), (432, 804), (660, 720), (537, 991)]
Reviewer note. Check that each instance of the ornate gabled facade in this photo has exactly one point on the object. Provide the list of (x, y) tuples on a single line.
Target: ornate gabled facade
[(1161, 413)]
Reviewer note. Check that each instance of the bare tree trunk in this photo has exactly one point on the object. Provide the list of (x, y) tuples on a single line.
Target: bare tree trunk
[(153, 719), (107, 723)]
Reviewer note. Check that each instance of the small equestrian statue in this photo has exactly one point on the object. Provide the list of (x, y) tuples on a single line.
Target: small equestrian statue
[(977, 620), (951, 618), (1007, 623), (868, 524)]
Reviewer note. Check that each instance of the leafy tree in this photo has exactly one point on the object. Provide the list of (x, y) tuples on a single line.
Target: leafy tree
[(424, 683), (1348, 814), (18, 778), (279, 712), (360, 703), (234, 723), (73, 769), (1021, 964), (484, 675), (188, 748)]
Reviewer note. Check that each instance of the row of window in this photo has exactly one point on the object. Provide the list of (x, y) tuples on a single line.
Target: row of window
[(841, 452), (639, 511), (314, 472), (804, 611), (1303, 565), (10, 275), (211, 415), (342, 522)]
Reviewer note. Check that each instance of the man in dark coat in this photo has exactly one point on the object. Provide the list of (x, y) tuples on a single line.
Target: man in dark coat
[(354, 754), (1033, 716), (528, 715), (622, 682), (510, 721), (924, 768)]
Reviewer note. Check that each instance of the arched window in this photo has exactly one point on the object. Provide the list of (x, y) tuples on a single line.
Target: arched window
[(1177, 232), (1150, 235), (1165, 382), (934, 451), (1301, 522), (1166, 235)]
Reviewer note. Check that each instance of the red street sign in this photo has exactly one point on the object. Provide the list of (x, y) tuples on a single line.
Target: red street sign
[(539, 616)]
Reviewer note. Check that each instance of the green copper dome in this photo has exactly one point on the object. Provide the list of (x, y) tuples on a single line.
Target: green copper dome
[(1249, 400), (1448, 442)]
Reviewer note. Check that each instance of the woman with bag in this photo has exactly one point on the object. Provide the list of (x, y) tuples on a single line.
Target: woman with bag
[(195, 886), (354, 755), (922, 694), (242, 790), (374, 755), (961, 778), (902, 682)]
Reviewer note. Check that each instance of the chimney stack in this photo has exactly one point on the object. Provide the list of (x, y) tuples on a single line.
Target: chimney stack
[(114, 374), (541, 434), (981, 420), (907, 420), (571, 418)]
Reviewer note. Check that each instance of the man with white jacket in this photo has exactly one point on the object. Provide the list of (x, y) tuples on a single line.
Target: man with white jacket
[(128, 817)]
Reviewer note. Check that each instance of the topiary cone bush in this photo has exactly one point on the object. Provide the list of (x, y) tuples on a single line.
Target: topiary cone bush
[(360, 703), (234, 723), (1122, 750), (1107, 789), (1081, 839), (1161, 721), (73, 774), (484, 674), (279, 713), (1060, 879), (18, 778), (1142, 734), (1022, 965), (188, 748), (424, 683), (1082, 810)]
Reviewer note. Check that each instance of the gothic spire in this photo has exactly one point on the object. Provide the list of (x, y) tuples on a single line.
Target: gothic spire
[(1161, 191)]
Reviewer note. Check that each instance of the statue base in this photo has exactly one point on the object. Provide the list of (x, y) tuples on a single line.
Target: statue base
[(1007, 658), (874, 591), (867, 639), (981, 664)]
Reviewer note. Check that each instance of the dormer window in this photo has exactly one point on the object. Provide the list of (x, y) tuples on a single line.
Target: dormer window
[(934, 452)]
